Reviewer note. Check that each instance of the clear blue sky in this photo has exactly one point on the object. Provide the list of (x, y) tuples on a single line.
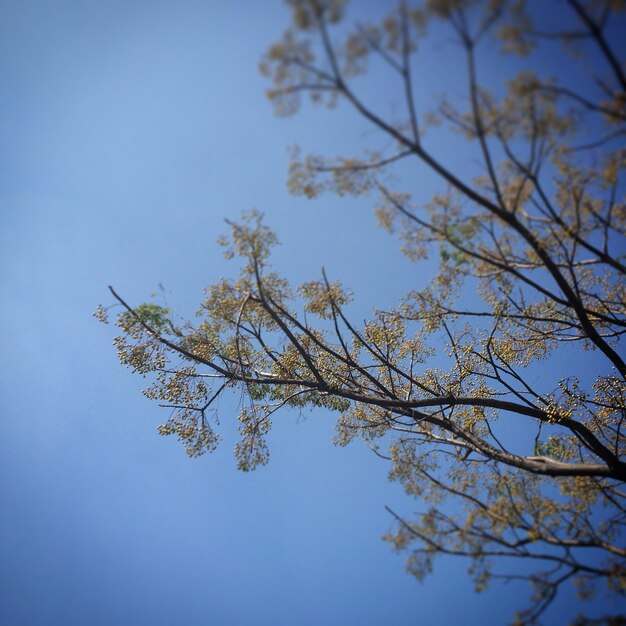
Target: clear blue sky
[(129, 131)]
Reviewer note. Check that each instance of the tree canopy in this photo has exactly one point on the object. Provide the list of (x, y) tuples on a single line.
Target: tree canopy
[(497, 393)]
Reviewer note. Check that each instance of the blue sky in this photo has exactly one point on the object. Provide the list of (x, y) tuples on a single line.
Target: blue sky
[(129, 132)]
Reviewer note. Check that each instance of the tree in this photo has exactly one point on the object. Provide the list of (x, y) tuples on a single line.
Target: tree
[(517, 447)]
